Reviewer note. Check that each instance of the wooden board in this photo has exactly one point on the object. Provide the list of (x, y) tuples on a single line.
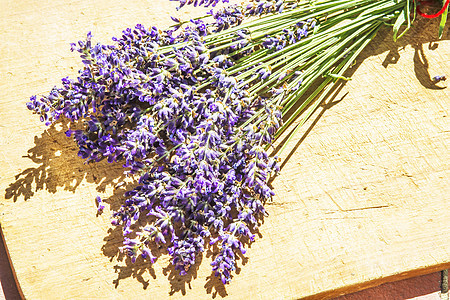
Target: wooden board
[(362, 199)]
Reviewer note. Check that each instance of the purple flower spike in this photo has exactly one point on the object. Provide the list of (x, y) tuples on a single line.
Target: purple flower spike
[(201, 176)]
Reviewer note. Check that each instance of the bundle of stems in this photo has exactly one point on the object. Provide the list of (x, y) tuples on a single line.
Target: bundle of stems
[(192, 111)]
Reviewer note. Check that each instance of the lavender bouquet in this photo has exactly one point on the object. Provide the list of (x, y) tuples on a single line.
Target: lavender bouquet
[(192, 111)]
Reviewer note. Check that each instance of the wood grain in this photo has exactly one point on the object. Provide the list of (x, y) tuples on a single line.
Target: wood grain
[(362, 198)]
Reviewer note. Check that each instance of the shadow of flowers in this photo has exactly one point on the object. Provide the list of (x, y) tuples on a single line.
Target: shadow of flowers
[(423, 32), (58, 165)]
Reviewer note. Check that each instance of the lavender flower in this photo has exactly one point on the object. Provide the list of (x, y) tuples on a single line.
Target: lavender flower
[(193, 110), (439, 78), (205, 3), (101, 206)]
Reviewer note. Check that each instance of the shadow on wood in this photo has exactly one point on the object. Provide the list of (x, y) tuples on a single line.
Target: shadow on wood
[(58, 165), (422, 33)]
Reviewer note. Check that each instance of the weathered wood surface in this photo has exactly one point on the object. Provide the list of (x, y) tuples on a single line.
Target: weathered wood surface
[(363, 199)]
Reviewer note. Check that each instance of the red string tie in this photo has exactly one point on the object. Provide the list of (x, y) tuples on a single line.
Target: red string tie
[(434, 15)]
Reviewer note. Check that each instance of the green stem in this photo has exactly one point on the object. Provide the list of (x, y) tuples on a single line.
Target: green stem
[(324, 89)]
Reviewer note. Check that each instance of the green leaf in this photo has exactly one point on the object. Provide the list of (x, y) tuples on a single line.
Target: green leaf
[(407, 14), (337, 76), (402, 17), (442, 24), (399, 22)]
